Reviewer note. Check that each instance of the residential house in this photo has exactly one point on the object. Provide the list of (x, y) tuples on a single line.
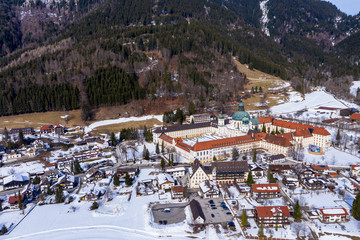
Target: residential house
[(265, 190), (14, 200), (209, 189), (272, 216), (121, 172), (197, 213), (66, 182), (314, 183), (200, 174), (176, 172), (38, 144), (281, 169), (177, 192), (332, 215), (94, 174), (291, 182), (256, 170), (321, 169), (15, 181), (276, 159), (165, 181), (50, 166), (352, 187), (355, 117), (11, 155), (52, 129)]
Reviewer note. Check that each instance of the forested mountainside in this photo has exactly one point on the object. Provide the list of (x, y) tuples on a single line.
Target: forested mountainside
[(108, 52)]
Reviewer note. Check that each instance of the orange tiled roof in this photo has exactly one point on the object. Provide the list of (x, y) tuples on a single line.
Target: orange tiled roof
[(268, 211), (288, 136), (295, 126), (355, 167), (166, 138), (355, 116), (320, 167), (277, 140), (223, 142), (302, 133), (263, 120)]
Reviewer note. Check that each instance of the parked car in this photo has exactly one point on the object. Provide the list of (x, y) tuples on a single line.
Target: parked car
[(228, 213), (211, 201), (213, 207), (212, 215), (167, 210)]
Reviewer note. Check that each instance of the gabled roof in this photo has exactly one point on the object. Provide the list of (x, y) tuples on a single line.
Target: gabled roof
[(355, 167), (279, 167), (320, 167), (230, 167), (269, 211), (166, 129), (355, 116), (277, 140), (14, 199), (196, 210), (177, 189)]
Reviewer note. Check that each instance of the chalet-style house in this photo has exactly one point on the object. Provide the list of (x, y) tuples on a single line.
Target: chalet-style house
[(177, 192), (291, 182), (165, 181), (25, 131), (265, 190), (66, 182), (280, 169), (256, 170), (276, 159), (94, 175), (121, 172), (314, 183), (332, 215), (14, 200), (176, 172), (209, 189), (52, 129), (15, 181), (272, 216), (197, 213)]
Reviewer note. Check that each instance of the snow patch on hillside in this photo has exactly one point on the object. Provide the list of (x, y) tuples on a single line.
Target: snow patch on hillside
[(354, 87), (264, 18)]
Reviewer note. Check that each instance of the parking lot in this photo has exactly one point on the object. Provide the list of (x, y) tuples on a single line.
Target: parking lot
[(176, 214), (219, 214)]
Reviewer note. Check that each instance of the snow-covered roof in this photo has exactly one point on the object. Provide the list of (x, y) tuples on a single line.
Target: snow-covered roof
[(16, 177), (176, 169), (333, 211), (163, 178), (207, 186)]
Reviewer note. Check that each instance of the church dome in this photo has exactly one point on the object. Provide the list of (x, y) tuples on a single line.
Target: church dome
[(241, 115)]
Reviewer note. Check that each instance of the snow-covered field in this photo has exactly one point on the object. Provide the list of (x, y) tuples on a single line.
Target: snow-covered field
[(332, 157), (121, 120), (115, 219), (312, 100)]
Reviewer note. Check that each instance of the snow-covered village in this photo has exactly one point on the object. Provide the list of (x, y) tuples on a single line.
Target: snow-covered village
[(290, 172)]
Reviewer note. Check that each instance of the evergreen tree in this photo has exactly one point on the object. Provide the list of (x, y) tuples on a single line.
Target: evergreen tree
[(250, 179), (254, 156), (162, 147), (85, 112), (271, 178), (21, 137), (77, 167), (260, 89), (147, 154), (277, 130), (191, 108), (162, 163), (261, 231), (72, 167), (1, 206), (116, 180), (356, 207), (59, 195), (214, 159), (144, 151), (263, 128), (128, 180), (256, 89), (244, 221), (113, 139), (94, 206), (297, 212), (338, 137), (252, 90), (157, 149), (4, 229), (20, 203)]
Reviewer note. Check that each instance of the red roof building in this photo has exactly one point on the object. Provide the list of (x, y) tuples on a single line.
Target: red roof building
[(266, 190), (272, 216), (331, 215), (355, 117), (13, 200)]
